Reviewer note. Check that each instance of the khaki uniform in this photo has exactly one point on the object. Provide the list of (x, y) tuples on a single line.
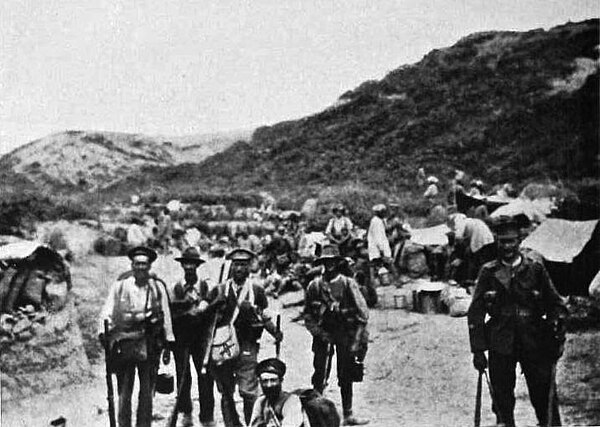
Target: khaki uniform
[(522, 305)]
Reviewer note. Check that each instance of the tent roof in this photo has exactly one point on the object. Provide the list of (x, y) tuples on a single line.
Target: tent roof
[(18, 250), (430, 236), (560, 240)]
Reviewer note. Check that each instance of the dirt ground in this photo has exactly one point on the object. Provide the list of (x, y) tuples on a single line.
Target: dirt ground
[(418, 369)]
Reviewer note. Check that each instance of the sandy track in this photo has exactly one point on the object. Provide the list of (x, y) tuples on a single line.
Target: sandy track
[(418, 371)]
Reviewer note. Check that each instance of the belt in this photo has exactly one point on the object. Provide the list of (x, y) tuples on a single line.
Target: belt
[(518, 311)]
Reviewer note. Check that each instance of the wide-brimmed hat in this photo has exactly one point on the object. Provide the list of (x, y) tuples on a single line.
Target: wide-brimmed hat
[(329, 252), (142, 250), (272, 366), (191, 254), (240, 255), (432, 179), (379, 207), (509, 225)]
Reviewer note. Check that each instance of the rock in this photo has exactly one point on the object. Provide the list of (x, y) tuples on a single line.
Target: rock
[(27, 309), (22, 325), (25, 335)]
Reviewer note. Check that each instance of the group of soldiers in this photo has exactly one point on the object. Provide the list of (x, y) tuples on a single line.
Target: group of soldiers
[(516, 315), (146, 318)]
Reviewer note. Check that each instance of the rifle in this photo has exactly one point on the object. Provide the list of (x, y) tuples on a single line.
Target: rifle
[(477, 420), (109, 384), (330, 352), (172, 422), (497, 410), (277, 342), (213, 326), (551, 391)]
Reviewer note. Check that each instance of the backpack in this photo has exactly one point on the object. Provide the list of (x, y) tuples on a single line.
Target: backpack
[(318, 411)]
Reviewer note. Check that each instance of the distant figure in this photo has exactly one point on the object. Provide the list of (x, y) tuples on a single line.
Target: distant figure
[(476, 188), (477, 240), (339, 228), (457, 185), (421, 177), (380, 252), (506, 191), (432, 190)]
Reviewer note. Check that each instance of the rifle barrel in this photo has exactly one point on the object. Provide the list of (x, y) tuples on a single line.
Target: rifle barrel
[(109, 383)]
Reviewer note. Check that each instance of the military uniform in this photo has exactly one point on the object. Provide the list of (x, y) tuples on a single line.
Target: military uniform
[(190, 326), (523, 305), (140, 310), (249, 326), (336, 315)]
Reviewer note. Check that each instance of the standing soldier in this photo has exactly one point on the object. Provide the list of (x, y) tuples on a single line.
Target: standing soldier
[(137, 310), (526, 326), (190, 324), (242, 296), (336, 315)]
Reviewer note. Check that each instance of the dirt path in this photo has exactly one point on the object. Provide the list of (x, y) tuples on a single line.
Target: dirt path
[(418, 373)]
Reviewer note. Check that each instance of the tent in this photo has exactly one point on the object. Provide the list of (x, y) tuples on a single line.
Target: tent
[(571, 252), (536, 210), (432, 236), (464, 202)]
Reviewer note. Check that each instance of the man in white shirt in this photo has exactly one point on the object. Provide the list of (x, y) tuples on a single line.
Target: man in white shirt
[(378, 245), (139, 319)]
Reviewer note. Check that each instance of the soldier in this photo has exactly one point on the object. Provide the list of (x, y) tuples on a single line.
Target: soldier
[(526, 316), (336, 315), (137, 310), (276, 407), (190, 325), (239, 291)]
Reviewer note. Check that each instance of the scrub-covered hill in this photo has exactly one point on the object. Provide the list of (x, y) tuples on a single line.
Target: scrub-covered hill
[(501, 105)]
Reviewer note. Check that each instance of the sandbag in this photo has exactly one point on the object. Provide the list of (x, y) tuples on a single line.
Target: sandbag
[(459, 307)]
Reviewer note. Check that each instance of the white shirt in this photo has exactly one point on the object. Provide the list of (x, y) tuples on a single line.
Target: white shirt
[(132, 298), (377, 241)]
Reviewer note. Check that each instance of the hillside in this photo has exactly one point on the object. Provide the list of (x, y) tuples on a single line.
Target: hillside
[(83, 160), (515, 106)]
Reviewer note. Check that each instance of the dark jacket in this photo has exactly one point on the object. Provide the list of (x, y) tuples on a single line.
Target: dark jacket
[(522, 304), (324, 319)]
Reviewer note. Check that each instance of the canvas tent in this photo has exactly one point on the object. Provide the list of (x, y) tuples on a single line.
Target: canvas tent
[(464, 202), (571, 252)]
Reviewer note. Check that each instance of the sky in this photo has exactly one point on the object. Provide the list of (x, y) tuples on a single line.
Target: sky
[(180, 67)]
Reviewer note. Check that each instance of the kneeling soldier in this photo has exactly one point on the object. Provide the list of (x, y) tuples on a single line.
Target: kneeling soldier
[(276, 408)]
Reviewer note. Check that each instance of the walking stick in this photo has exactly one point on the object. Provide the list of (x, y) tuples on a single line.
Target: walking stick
[(551, 391), (109, 384), (477, 420), (277, 342), (173, 417), (493, 397)]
